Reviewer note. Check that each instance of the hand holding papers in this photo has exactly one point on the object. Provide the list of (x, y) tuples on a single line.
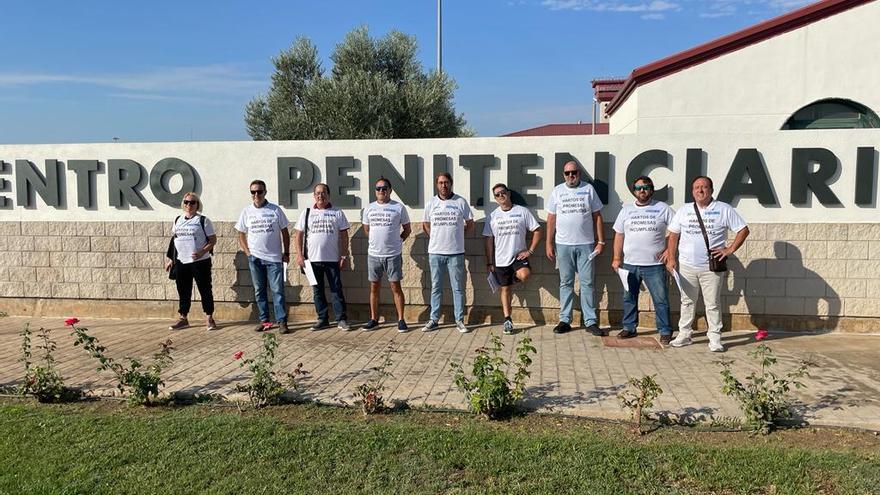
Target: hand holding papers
[(310, 273), (593, 254), (493, 282), (623, 273), (677, 280)]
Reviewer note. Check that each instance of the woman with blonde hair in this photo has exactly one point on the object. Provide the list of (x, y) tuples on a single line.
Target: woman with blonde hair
[(189, 258)]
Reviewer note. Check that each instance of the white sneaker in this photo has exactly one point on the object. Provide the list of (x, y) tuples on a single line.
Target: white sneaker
[(430, 326), (715, 344), (343, 325), (508, 327), (462, 327), (681, 340)]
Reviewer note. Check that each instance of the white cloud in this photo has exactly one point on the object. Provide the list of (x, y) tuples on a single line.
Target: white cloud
[(657, 9), (610, 6)]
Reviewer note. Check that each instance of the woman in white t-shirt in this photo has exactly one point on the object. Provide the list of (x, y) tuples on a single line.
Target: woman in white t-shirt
[(193, 242)]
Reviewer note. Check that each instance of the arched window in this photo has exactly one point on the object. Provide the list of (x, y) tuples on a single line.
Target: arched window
[(833, 113)]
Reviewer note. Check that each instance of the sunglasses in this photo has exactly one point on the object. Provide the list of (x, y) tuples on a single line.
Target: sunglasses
[(190, 202), (500, 194), (382, 188), (643, 188), (257, 191), (570, 173)]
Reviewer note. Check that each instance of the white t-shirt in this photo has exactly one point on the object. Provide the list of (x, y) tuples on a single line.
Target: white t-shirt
[(322, 237), (263, 228), (509, 230), (447, 218), (189, 237), (574, 208), (644, 231), (717, 217), (384, 221)]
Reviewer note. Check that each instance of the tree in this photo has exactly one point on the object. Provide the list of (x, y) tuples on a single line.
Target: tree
[(377, 89)]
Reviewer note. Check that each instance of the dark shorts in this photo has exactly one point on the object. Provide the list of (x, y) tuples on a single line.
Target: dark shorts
[(506, 275)]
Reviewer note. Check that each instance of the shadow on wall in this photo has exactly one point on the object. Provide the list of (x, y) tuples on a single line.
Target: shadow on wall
[(776, 289), (243, 287)]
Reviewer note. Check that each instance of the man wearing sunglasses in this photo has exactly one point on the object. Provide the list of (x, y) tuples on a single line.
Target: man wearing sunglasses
[(323, 231), (507, 257), (574, 222), (447, 217), (265, 240), (640, 249), (386, 223)]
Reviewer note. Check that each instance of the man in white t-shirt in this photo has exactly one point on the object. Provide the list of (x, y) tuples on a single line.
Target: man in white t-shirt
[(323, 241), (386, 223), (686, 239), (574, 222), (640, 249), (507, 257), (265, 240), (447, 217)]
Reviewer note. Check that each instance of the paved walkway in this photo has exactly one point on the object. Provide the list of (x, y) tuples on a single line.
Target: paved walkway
[(574, 373)]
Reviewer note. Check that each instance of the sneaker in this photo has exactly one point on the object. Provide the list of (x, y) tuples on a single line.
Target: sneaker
[(402, 327), (462, 327), (430, 326), (562, 327), (343, 325), (716, 347), (283, 329), (596, 331), (180, 324), (370, 325), (626, 334), (211, 324), (681, 341), (508, 327), (263, 326), (320, 325), (665, 339)]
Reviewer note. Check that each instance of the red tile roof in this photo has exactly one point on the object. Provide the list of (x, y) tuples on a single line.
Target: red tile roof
[(561, 130), (732, 42)]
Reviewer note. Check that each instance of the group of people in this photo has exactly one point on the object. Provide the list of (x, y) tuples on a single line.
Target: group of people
[(651, 242)]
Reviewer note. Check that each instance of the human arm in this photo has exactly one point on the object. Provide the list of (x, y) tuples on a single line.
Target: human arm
[(343, 247), (721, 253), (672, 251), (285, 243), (407, 230), (551, 231), (533, 245), (617, 251), (212, 240), (243, 244), (298, 247), (490, 252), (599, 228)]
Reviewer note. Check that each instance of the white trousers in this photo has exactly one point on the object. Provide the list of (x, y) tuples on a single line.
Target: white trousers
[(694, 281)]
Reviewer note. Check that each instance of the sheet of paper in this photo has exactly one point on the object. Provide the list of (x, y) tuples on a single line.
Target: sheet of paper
[(284, 272), (493, 283), (623, 273), (310, 273), (677, 280), (593, 254), (185, 249)]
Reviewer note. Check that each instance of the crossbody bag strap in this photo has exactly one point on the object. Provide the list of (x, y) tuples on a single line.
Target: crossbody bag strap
[(703, 229), (305, 252)]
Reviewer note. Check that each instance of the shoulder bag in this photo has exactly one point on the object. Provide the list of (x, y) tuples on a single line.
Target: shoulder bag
[(715, 265)]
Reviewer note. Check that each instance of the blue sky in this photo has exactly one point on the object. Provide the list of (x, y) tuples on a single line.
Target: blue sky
[(183, 70)]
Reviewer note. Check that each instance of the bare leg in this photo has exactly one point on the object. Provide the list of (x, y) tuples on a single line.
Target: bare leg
[(397, 292), (374, 300)]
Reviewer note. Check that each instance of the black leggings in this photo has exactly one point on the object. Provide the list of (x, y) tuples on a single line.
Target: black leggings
[(201, 272)]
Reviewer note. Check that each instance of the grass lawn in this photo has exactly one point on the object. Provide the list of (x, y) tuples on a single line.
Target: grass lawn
[(105, 447)]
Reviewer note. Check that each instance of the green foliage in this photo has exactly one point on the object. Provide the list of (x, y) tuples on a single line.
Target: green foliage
[(42, 381), (376, 89), (369, 393), (264, 388), (764, 396), (488, 390), (639, 397), (141, 383)]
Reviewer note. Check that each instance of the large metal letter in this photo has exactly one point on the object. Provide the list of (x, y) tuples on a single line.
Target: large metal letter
[(643, 164), (295, 174), (866, 176), (804, 180), (407, 187), (518, 178), (86, 182), (28, 180), (339, 181), (748, 177), (161, 174), (477, 164), (5, 186), (125, 179)]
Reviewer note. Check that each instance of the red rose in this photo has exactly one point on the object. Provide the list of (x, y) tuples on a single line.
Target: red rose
[(761, 334), (238, 355), (71, 321)]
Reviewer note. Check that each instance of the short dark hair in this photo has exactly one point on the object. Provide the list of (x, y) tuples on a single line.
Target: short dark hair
[(643, 178), (500, 184), (258, 182), (711, 185), (443, 174), (321, 184), (385, 180)]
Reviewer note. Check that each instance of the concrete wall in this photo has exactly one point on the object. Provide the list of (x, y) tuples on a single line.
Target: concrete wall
[(757, 88)]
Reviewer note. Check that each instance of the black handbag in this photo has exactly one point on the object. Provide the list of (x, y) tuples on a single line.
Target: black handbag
[(715, 265), (305, 247), (171, 253)]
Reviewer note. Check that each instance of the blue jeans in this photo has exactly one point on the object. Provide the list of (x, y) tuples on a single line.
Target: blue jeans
[(654, 277), (575, 259), (329, 269), (269, 273), (454, 265)]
